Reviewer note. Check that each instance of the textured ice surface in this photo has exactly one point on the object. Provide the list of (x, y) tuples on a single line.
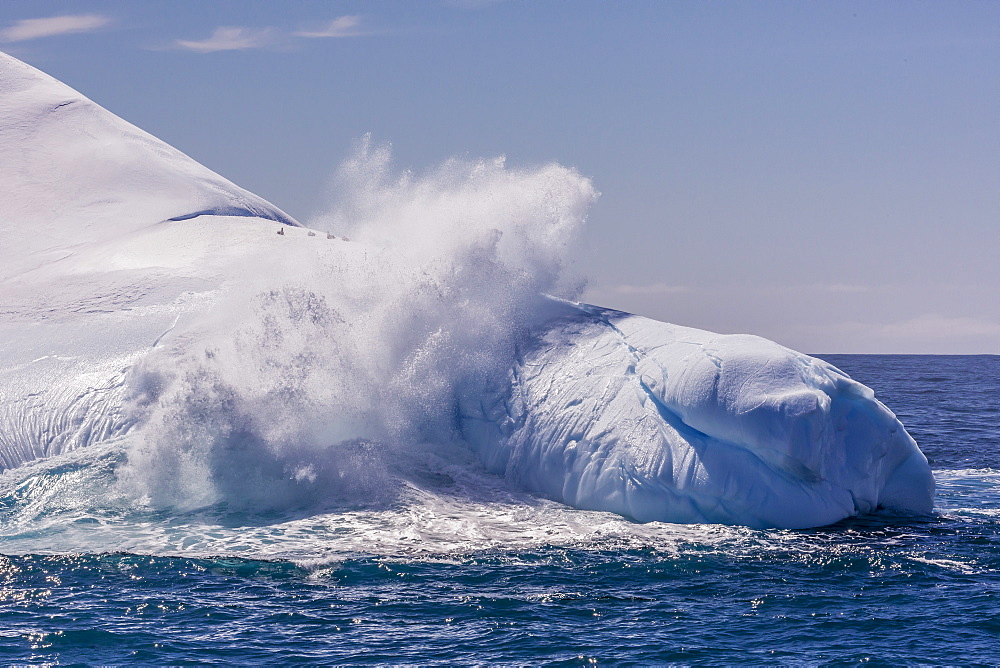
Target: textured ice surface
[(122, 259), (607, 410)]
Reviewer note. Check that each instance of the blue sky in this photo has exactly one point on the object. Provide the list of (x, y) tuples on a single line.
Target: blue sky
[(823, 174)]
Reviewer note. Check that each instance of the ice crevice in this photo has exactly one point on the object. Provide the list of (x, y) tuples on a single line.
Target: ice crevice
[(246, 210)]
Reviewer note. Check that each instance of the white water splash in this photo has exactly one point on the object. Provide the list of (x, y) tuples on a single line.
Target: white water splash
[(322, 377)]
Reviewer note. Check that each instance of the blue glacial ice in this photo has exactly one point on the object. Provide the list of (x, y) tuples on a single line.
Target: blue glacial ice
[(611, 411)]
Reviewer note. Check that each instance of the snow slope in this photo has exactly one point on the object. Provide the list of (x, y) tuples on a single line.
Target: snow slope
[(72, 173), (88, 280), (144, 298)]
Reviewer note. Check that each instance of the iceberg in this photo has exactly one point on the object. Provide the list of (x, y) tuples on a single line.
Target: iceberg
[(122, 256), (605, 410)]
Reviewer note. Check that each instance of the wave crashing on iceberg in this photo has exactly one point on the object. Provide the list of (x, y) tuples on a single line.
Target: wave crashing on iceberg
[(231, 368), (314, 374)]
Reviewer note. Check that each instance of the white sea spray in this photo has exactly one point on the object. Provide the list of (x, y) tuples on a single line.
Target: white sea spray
[(320, 377)]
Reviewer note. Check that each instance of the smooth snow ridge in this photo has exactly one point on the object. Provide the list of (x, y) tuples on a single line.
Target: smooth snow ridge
[(73, 173)]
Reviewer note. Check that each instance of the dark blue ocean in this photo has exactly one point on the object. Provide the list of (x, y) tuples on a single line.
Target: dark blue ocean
[(459, 569)]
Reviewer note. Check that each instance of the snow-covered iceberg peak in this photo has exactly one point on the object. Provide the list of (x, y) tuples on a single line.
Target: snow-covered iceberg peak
[(72, 172), (110, 237), (609, 411)]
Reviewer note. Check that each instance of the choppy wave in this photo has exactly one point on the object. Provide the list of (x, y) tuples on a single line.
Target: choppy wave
[(442, 506)]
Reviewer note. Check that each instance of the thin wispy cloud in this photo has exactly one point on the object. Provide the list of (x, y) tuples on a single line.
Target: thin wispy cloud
[(344, 26), (67, 24), (230, 38), (235, 38)]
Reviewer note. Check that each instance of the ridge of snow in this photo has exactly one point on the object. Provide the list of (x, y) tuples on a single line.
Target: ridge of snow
[(73, 173)]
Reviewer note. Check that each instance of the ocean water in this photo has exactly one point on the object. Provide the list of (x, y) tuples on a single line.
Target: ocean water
[(455, 567)]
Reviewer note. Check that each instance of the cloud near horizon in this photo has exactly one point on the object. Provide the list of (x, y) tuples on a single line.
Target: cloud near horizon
[(933, 326), (27, 29)]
